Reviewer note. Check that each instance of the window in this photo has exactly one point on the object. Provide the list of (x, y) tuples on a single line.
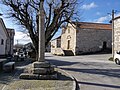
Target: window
[(68, 30), (58, 43), (2, 41)]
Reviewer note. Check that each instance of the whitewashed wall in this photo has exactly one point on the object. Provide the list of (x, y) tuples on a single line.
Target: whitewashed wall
[(4, 37), (68, 33)]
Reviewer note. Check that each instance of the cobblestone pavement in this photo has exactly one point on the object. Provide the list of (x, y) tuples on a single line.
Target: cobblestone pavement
[(93, 72)]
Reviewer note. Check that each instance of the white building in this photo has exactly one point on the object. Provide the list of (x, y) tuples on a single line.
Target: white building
[(56, 46), (6, 39), (3, 37)]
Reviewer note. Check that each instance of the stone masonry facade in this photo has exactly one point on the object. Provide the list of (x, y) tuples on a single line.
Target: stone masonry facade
[(90, 40), (84, 37), (117, 34)]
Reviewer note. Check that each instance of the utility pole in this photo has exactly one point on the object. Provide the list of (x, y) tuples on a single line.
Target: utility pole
[(113, 33)]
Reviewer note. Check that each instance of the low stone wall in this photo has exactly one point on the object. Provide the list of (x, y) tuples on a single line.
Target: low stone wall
[(57, 51)]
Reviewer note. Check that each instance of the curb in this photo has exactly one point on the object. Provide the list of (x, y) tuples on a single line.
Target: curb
[(75, 85), (74, 81)]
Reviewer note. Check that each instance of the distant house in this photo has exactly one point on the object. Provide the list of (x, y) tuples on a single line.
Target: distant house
[(56, 46), (10, 41), (6, 39), (86, 37)]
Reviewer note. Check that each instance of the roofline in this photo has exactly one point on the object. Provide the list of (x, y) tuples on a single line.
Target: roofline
[(3, 24), (56, 38), (10, 28), (91, 23), (116, 18)]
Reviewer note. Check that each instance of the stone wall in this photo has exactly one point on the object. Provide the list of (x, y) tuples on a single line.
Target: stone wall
[(57, 51), (117, 34), (89, 40)]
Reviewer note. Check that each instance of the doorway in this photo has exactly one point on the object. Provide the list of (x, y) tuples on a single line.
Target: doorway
[(68, 45), (104, 45)]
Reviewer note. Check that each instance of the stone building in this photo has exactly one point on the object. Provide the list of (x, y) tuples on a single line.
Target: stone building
[(56, 46), (6, 39), (86, 37), (116, 33)]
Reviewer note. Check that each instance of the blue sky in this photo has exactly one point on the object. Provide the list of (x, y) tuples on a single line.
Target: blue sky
[(97, 10), (91, 11)]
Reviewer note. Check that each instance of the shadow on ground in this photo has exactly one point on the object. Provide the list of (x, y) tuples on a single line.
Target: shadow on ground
[(6, 78), (106, 72), (98, 84), (61, 63), (23, 63)]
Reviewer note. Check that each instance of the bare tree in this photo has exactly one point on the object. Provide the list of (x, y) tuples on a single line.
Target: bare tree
[(25, 13)]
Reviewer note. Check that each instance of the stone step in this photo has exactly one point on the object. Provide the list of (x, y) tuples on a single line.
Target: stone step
[(41, 64), (43, 71), (38, 77)]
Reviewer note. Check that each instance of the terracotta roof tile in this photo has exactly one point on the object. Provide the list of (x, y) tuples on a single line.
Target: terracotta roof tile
[(96, 26)]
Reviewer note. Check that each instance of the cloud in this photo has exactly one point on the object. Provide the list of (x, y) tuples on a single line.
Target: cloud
[(103, 19), (89, 6), (22, 38)]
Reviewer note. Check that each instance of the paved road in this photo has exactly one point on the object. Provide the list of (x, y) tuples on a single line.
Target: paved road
[(93, 72)]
